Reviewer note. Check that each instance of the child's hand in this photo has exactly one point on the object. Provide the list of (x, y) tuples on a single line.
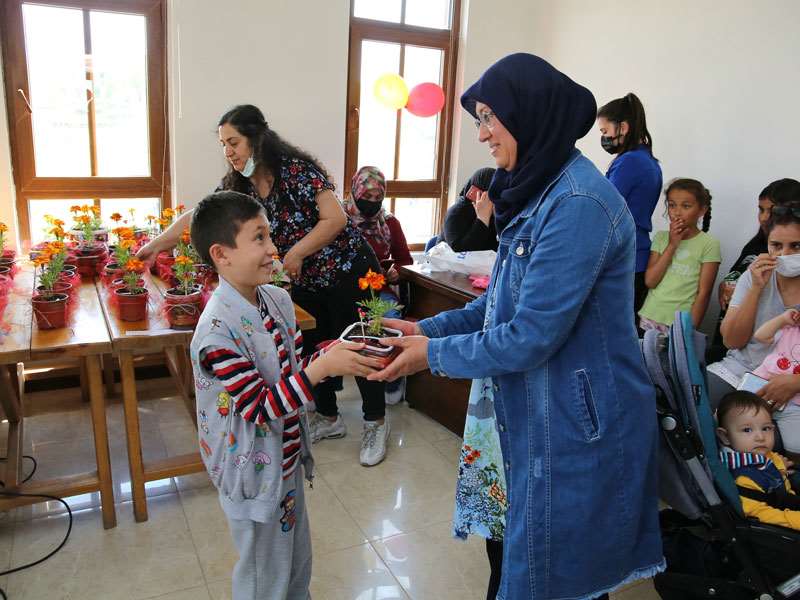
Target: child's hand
[(404, 327), (677, 229), (791, 316), (343, 359)]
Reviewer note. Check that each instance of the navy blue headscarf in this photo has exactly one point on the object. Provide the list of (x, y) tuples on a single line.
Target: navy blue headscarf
[(545, 111)]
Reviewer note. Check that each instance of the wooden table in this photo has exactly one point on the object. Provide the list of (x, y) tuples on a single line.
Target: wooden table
[(441, 398), (155, 335), (85, 338)]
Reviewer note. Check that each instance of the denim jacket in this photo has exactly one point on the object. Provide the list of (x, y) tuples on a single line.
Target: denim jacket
[(575, 409)]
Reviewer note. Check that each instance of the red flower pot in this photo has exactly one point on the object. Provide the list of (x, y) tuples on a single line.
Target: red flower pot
[(89, 260), (7, 271), (9, 253), (132, 307), (111, 272), (50, 310), (357, 332), (183, 310), (59, 287)]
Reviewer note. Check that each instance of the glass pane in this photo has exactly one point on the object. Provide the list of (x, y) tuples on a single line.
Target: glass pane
[(381, 10), (141, 207), (57, 87), (428, 13), (119, 60), (418, 134), (416, 215), (59, 209), (377, 123)]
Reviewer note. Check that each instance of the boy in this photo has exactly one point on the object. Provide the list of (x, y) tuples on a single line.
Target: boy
[(748, 432), (251, 388)]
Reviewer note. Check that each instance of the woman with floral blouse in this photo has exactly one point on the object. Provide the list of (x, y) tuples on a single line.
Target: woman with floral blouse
[(322, 252)]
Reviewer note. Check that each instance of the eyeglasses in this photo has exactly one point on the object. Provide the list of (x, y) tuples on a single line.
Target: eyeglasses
[(784, 209), (485, 118)]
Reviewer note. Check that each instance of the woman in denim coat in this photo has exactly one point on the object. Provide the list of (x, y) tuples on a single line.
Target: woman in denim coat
[(574, 406)]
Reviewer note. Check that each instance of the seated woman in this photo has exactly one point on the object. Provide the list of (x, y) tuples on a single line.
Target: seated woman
[(770, 284), (380, 228), (757, 245), (383, 232), (469, 223)]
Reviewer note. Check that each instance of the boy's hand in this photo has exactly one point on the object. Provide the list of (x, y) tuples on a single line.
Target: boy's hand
[(343, 359)]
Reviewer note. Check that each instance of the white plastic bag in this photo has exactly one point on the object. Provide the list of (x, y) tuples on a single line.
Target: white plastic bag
[(443, 258)]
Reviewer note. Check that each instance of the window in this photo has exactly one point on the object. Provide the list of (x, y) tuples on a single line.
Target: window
[(416, 39), (87, 107)]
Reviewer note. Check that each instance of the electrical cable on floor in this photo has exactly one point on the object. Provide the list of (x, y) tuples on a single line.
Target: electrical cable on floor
[(46, 497)]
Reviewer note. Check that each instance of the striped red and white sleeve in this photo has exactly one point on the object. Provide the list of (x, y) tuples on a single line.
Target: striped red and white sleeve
[(254, 399)]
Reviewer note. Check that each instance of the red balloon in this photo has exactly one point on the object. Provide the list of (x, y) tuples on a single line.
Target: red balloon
[(425, 99)]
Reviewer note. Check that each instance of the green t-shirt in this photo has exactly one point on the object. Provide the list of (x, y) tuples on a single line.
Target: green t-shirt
[(678, 288)]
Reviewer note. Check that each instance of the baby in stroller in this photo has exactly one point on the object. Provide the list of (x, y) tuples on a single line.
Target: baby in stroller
[(747, 431)]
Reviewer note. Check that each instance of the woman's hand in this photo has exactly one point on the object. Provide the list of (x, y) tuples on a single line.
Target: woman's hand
[(407, 328), (413, 358), (761, 269), (677, 229), (779, 390), (293, 263), (484, 208)]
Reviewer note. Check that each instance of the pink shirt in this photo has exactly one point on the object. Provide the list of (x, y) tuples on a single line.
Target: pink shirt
[(784, 358)]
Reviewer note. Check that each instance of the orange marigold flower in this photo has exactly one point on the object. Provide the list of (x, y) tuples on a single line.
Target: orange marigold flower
[(75, 208), (83, 219), (373, 280), (183, 260), (127, 244), (95, 210), (134, 264), (42, 259), (56, 246), (363, 283), (85, 208), (116, 217), (168, 213), (3, 227), (180, 208), (151, 218), (58, 222)]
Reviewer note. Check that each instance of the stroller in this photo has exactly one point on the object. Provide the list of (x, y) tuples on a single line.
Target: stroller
[(712, 549)]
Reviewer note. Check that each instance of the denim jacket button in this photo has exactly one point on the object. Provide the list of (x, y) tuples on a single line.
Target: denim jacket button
[(520, 250)]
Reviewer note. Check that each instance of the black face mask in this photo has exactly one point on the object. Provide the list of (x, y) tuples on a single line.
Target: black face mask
[(368, 208), (607, 142)]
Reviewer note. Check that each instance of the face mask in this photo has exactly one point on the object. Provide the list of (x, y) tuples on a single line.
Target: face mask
[(789, 265), (368, 208), (249, 167), (607, 142)]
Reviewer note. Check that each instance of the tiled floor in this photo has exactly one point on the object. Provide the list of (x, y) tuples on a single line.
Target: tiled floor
[(378, 534)]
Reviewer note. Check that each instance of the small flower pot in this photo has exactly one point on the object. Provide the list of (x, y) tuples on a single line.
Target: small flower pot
[(7, 271), (183, 310), (59, 287), (89, 260), (9, 253), (358, 333), (50, 310), (132, 307), (7, 262), (120, 283), (141, 235), (111, 272), (99, 235)]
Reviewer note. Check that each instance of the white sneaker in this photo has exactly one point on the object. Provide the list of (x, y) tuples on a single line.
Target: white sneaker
[(322, 428), (395, 391), (373, 443)]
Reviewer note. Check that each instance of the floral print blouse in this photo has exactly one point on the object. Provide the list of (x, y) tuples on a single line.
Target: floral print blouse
[(292, 211)]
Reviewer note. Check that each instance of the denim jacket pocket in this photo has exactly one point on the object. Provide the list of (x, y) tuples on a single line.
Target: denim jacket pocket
[(585, 405), (519, 255)]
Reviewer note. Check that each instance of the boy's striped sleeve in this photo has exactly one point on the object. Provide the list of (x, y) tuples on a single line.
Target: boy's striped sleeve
[(254, 399)]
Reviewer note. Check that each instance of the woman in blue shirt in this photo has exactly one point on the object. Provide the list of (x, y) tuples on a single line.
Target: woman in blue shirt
[(634, 172), (555, 350)]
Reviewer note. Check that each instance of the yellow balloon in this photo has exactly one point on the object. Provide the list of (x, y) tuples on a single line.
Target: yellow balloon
[(391, 91)]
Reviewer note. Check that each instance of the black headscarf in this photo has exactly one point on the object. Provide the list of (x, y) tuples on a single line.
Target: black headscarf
[(545, 111), (481, 179)]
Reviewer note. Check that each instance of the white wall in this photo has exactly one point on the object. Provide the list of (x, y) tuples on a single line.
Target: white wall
[(7, 192), (719, 81), (288, 58)]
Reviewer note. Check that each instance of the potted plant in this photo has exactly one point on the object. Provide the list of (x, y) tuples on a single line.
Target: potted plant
[(280, 278), (121, 254), (369, 329), (50, 305), (6, 254), (132, 295), (183, 303), (90, 253)]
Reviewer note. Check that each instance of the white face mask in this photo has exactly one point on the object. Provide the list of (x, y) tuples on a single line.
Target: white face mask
[(789, 265), (249, 167)]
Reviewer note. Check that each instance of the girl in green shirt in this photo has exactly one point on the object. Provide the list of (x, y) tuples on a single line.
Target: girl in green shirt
[(683, 261)]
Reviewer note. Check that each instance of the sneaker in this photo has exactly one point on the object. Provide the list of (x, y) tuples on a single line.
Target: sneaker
[(395, 391), (373, 443), (322, 428)]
